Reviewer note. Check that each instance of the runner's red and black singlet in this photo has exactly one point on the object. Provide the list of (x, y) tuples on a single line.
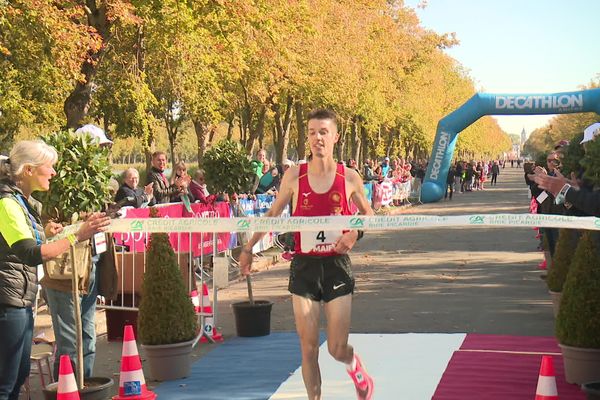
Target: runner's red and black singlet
[(311, 204)]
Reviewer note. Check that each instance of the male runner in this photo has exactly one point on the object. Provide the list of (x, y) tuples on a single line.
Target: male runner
[(320, 270)]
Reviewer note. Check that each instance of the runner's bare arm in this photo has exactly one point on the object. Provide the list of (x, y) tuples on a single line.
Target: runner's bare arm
[(284, 196), (357, 194), (354, 185)]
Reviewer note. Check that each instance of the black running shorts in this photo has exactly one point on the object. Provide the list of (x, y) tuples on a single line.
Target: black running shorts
[(321, 278)]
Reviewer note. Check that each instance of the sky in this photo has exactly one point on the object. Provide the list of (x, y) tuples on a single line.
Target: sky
[(521, 46)]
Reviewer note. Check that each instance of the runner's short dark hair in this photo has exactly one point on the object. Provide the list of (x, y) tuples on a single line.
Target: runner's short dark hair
[(323, 113)]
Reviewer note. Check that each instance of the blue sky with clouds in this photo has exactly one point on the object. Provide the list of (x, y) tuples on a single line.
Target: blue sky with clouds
[(521, 46)]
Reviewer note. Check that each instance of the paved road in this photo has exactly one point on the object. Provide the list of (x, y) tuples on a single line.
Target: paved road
[(480, 280)]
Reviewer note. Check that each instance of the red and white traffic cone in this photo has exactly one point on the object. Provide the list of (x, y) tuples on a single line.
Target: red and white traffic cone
[(195, 300), (546, 387), (67, 387), (132, 385), (209, 325)]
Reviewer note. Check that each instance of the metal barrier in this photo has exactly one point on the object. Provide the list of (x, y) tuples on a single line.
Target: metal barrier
[(195, 251)]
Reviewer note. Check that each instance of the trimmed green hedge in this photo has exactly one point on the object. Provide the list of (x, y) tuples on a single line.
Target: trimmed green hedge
[(563, 255), (578, 321), (166, 312)]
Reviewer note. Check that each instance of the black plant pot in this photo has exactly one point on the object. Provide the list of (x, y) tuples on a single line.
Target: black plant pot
[(95, 388), (252, 320), (592, 390)]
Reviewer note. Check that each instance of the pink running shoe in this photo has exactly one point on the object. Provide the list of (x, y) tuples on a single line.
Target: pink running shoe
[(362, 381), (287, 255), (542, 265)]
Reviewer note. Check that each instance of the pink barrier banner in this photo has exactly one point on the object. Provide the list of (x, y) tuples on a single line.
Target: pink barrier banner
[(387, 192), (202, 243)]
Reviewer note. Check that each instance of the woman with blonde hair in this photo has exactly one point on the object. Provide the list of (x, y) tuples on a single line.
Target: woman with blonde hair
[(181, 178), (23, 247)]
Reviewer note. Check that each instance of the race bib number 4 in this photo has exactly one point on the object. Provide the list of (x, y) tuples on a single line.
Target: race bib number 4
[(319, 242)]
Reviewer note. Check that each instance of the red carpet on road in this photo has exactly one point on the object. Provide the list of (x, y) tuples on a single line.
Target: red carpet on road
[(528, 344), (481, 370)]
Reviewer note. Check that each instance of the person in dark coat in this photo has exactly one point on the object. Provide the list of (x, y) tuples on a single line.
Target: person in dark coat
[(163, 190), (129, 194), (495, 173)]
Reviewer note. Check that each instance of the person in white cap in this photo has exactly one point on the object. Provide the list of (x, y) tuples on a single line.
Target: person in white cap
[(96, 133), (591, 132)]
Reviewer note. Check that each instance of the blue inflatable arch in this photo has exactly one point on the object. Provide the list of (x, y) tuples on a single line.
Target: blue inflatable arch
[(482, 104)]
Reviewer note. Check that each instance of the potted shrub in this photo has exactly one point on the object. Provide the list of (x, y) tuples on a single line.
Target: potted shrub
[(82, 185), (166, 318), (228, 169), (252, 318), (578, 320), (563, 254)]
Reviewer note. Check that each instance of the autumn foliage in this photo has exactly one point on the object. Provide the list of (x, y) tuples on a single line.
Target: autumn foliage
[(145, 69)]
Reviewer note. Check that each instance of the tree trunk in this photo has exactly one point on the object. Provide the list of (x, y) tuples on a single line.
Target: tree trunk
[(256, 131), (243, 129), (390, 142), (301, 127), (341, 144), (355, 140), (364, 143), (77, 104), (148, 150), (230, 126), (202, 133), (171, 134), (211, 135), (282, 129)]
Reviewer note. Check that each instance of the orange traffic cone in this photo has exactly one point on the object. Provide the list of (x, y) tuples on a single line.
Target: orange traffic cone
[(132, 385), (209, 325), (546, 387), (67, 387), (195, 300)]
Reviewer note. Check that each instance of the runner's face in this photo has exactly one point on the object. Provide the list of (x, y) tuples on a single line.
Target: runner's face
[(322, 136)]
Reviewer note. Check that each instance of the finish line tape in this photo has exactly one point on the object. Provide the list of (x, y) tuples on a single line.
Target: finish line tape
[(366, 223)]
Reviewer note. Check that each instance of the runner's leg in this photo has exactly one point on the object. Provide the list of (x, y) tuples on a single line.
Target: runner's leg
[(306, 314), (338, 312)]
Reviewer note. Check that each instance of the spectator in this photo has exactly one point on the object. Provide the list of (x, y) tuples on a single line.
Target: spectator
[(352, 164), (287, 164), (368, 173), (458, 177), (378, 173), (96, 133), (163, 190), (385, 167), (199, 190), (259, 164), (450, 182), (269, 182), (129, 194), (495, 173), (23, 248), (180, 175)]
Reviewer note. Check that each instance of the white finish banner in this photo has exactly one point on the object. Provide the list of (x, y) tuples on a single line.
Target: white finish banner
[(370, 223)]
